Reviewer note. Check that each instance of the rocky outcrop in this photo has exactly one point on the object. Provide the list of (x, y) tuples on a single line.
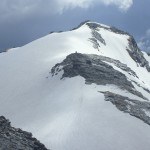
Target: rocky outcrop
[(117, 63), (96, 26), (135, 108), (16, 139), (96, 45), (136, 54), (81, 24), (95, 70), (133, 50), (96, 38)]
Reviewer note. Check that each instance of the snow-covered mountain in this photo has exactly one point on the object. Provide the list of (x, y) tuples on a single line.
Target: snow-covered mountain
[(85, 89)]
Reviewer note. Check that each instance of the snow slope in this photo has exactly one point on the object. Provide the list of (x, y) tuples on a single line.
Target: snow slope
[(68, 114)]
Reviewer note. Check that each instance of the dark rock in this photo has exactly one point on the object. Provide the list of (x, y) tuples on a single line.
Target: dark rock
[(96, 26), (115, 30), (98, 72), (136, 54), (82, 23), (95, 43), (96, 37), (16, 139), (134, 51), (117, 63), (93, 26), (138, 109), (95, 70)]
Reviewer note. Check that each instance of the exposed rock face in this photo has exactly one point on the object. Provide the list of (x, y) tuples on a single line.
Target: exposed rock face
[(135, 108), (95, 43), (82, 23), (95, 70), (16, 139), (96, 37), (95, 26), (136, 54), (117, 63)]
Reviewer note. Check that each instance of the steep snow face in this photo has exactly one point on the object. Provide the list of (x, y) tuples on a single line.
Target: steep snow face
[(65, 113)]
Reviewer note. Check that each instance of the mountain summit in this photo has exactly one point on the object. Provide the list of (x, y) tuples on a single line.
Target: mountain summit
[(84, 89)]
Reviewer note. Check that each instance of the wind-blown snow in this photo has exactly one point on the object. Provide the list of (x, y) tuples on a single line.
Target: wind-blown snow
[(68, 114)]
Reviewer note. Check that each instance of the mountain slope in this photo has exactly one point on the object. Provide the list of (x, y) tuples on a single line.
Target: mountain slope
[(83, 89), (16, 139)]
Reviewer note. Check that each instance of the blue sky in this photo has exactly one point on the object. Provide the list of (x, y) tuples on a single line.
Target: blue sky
[(22, 21)]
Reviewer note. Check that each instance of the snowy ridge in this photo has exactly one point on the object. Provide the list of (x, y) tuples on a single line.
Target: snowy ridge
[(83, 89)]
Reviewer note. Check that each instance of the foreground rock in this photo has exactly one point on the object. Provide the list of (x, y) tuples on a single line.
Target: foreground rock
[(16, 139)]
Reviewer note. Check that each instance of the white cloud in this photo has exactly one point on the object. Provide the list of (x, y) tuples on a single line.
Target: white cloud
[(21, 9), (74, 3), (123, 5), (10, 7), (148, 33), (144, 42)]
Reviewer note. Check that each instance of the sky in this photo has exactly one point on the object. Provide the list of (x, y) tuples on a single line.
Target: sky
[(22, 21)]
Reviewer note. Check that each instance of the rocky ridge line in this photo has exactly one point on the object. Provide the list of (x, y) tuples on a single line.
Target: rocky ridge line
[(15, 139), (133, 49), (138, 109), (94, 69)]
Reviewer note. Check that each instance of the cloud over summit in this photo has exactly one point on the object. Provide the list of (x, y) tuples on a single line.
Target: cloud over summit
[(144, 42), (121, 4), (25, 7)]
